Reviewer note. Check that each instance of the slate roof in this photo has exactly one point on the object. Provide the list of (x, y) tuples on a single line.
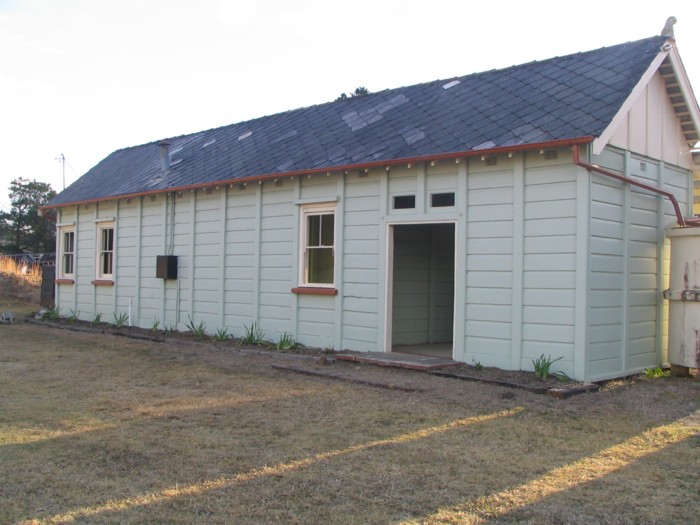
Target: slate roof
[(561, 98)]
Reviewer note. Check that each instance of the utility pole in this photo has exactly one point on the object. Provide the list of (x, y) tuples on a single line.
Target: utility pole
[(62, 160)]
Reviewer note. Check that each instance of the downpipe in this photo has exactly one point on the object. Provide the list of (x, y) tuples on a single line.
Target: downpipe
[(682, 222)]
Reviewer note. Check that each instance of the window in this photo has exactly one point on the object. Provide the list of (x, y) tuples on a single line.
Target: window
[(318, 245), (66, 250), (442, 200), (105, 251), (404, 202)]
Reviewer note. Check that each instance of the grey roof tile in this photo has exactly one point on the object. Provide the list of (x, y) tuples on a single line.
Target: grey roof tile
[(560, 98)]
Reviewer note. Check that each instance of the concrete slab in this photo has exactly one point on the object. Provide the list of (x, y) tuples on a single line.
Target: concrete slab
[(398, 360)]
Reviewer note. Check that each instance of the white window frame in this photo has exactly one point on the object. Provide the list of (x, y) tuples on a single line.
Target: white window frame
[(306, 211), (63, 253), (100, 252)]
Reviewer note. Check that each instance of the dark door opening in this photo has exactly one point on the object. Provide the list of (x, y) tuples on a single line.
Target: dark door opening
[(422, 288)]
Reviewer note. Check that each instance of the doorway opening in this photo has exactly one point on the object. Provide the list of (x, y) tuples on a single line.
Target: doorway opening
[(422, 283)]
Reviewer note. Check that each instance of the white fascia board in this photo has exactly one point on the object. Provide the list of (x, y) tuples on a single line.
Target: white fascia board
[(602, 141), (686, 88)]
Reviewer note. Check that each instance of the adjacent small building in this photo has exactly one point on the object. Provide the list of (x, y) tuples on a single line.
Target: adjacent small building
[(493, 217)]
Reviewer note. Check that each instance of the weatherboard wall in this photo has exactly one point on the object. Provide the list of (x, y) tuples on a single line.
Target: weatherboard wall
[(488, 273), (546, 260), (363, 262), (628, 318), (551, 261)]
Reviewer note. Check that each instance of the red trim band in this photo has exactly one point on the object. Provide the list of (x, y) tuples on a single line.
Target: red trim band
[(314, 290), (102, 282)]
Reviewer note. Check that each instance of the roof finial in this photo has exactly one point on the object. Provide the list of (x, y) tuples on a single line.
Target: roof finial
[(667, 31)]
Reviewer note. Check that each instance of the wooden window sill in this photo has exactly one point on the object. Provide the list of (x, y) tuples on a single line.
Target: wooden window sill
[(64, 281), (102, 282), (314, 290)]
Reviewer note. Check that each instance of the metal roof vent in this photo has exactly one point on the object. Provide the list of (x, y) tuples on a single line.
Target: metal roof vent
[(450, 84)]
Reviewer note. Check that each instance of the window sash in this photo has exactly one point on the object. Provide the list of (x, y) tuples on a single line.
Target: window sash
[(318, 246), (105, 263), (67, 252), (320, 263)]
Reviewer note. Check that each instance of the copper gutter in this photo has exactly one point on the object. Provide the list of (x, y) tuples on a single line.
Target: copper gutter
[(682, 222), (335, 169)]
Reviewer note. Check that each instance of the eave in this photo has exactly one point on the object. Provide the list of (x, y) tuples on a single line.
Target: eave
[(669, 65), (386, 164)]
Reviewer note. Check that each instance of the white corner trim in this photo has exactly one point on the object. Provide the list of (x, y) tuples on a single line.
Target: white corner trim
[(104, 219), (602, 141)]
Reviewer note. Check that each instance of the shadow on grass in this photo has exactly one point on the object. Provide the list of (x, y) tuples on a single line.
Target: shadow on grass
[(232, 447), (629, 482)]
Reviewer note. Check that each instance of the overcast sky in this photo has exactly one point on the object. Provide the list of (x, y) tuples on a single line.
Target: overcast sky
[(86, 77)]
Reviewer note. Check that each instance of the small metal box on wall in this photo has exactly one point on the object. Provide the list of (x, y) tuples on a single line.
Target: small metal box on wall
[(166, 266)]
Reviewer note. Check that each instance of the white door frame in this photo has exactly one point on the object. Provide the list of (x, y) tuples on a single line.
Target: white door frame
[(389, 279)]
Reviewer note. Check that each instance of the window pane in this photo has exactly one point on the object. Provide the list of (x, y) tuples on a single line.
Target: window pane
[(68, 263), (327, 229), (314, 230), (404, 202), (441, 200), (68, 242), (107, 239), (321, 266), (107, 263)]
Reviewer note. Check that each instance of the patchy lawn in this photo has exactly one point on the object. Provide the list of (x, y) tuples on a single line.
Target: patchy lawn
[(105, 429)]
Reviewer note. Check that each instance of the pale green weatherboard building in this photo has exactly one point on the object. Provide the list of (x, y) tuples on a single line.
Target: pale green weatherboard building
[(461, 214)]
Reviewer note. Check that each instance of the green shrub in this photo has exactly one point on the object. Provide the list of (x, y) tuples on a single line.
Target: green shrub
[(286, 342), (222, 334), (51, 314), (253, 335), (199, 330), (654, 373), (120, 320), (543, 365)]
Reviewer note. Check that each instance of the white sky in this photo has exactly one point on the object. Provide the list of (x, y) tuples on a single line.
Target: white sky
[(87, 77)]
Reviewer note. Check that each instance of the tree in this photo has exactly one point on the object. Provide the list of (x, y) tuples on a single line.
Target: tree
[(359, 92), (21, 228)]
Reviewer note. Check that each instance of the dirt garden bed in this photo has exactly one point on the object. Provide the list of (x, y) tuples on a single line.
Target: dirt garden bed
[(20, 295), (324, 357)]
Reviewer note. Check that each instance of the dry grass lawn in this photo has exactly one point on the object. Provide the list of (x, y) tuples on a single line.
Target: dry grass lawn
[(105, 429)]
